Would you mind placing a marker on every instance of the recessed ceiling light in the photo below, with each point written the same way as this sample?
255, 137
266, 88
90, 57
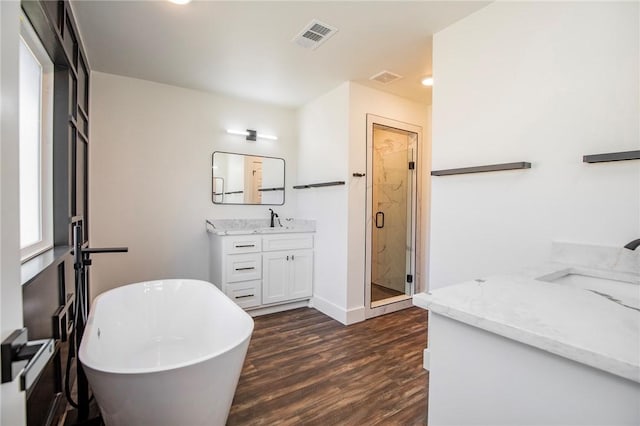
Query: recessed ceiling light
180, 1
427, 81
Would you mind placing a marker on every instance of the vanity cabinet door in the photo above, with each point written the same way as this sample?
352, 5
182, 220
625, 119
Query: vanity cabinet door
288, 275
301, 274
276, 277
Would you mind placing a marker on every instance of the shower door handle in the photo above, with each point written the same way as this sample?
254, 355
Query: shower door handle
380, 220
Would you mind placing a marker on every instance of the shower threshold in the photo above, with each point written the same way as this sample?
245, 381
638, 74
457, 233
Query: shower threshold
389, 300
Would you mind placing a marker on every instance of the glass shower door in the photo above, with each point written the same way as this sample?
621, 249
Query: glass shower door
392, 236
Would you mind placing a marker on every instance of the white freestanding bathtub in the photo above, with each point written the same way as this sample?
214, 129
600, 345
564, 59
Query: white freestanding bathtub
165, 352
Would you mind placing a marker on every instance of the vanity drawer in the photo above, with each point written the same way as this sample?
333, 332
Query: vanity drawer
287, 242
243, 244
243, 267
246, 294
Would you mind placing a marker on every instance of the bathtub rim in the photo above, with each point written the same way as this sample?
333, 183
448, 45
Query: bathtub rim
82, 355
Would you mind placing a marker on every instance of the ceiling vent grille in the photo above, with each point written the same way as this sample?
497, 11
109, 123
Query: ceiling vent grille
314, 34
385, 77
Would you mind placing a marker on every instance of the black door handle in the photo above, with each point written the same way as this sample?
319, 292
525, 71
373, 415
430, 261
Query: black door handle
379, 220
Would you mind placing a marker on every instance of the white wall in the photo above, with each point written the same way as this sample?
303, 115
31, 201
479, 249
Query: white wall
150, 174
323, 157
545, 83
12, 400
332, 147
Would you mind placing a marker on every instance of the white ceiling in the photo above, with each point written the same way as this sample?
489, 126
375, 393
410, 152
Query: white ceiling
244, 49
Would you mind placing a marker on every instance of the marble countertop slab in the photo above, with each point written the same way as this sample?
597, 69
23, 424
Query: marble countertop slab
575, 323
258, 226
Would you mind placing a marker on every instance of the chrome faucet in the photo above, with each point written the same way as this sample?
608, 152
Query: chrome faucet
274, 215
633, 244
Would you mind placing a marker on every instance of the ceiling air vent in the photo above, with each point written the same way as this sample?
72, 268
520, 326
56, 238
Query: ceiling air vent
385, 77
314, 34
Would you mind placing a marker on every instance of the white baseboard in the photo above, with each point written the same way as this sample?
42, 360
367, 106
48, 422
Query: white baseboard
329, 309
355, 315
278, 308
346, 317
426, 359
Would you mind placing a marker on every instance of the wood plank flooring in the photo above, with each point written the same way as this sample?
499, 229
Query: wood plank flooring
304, 368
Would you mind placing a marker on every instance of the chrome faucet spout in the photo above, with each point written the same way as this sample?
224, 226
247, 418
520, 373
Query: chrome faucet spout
633, 244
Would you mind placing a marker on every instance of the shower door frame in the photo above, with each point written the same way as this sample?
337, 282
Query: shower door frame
404, 301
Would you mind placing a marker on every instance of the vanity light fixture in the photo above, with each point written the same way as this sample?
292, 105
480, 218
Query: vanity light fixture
251, 135
427, 81
180, 2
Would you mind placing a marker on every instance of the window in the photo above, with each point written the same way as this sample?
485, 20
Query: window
36, 142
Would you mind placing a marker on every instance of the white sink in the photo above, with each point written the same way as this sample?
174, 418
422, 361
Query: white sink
624, 289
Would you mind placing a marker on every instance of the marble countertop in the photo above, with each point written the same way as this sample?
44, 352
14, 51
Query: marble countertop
596, 327
258, 226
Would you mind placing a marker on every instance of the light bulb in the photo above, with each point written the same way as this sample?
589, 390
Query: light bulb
238, 132
427, 81
270, 137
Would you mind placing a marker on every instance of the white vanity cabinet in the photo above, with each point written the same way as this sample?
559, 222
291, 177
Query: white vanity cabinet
259, 271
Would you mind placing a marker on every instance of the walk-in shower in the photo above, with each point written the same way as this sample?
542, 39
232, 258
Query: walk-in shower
392, 170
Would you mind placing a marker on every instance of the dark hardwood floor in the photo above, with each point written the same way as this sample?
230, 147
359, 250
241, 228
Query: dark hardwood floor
304, 368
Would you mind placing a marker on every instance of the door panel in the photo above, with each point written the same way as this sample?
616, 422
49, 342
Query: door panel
275, 277
301, 274
12, 400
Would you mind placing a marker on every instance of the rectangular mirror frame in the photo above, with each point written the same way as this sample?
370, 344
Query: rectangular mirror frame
221, 179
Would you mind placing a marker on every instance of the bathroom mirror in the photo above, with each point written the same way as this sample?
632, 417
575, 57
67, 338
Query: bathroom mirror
247, 179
